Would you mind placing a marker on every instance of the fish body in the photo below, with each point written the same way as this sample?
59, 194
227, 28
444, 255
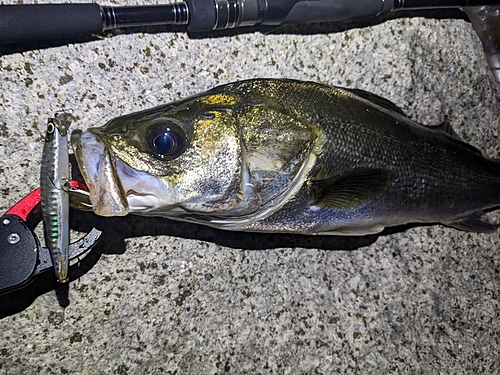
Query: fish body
286, 156
54, 183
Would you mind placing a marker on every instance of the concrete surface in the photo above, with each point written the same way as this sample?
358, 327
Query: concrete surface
159, 297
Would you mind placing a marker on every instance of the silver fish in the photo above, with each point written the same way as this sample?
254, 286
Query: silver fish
286, 156
54, 187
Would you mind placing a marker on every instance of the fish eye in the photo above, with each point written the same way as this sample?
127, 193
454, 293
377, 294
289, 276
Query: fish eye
167, 142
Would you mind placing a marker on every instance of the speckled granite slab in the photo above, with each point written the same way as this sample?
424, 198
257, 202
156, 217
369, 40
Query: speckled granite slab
164, 298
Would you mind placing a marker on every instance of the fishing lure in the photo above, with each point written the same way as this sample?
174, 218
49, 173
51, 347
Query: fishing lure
54, 188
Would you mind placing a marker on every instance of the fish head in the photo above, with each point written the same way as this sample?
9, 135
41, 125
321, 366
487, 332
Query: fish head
209, 155
159, 159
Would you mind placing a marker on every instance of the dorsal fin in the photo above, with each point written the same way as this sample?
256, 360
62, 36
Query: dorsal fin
378, 100
445, 127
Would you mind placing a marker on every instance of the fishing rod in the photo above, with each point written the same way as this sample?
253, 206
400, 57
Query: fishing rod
21, 23
32, 22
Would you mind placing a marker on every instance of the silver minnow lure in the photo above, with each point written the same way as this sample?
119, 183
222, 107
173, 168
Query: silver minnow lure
54, 186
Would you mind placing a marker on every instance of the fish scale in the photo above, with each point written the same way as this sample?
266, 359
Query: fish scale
417, 153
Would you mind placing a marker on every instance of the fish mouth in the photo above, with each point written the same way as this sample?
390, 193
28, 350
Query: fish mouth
98, 169
115, 188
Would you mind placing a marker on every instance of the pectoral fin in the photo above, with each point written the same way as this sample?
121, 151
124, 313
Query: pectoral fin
351, 189
474, 223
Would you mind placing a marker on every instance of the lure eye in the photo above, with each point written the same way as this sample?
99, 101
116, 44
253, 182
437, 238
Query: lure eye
166, 142
51, 131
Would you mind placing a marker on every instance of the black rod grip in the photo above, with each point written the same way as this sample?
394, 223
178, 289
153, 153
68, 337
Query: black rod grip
334, 11
29, 22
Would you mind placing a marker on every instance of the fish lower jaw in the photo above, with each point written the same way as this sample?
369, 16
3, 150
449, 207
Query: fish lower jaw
143, 203
143, 192
109, 208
